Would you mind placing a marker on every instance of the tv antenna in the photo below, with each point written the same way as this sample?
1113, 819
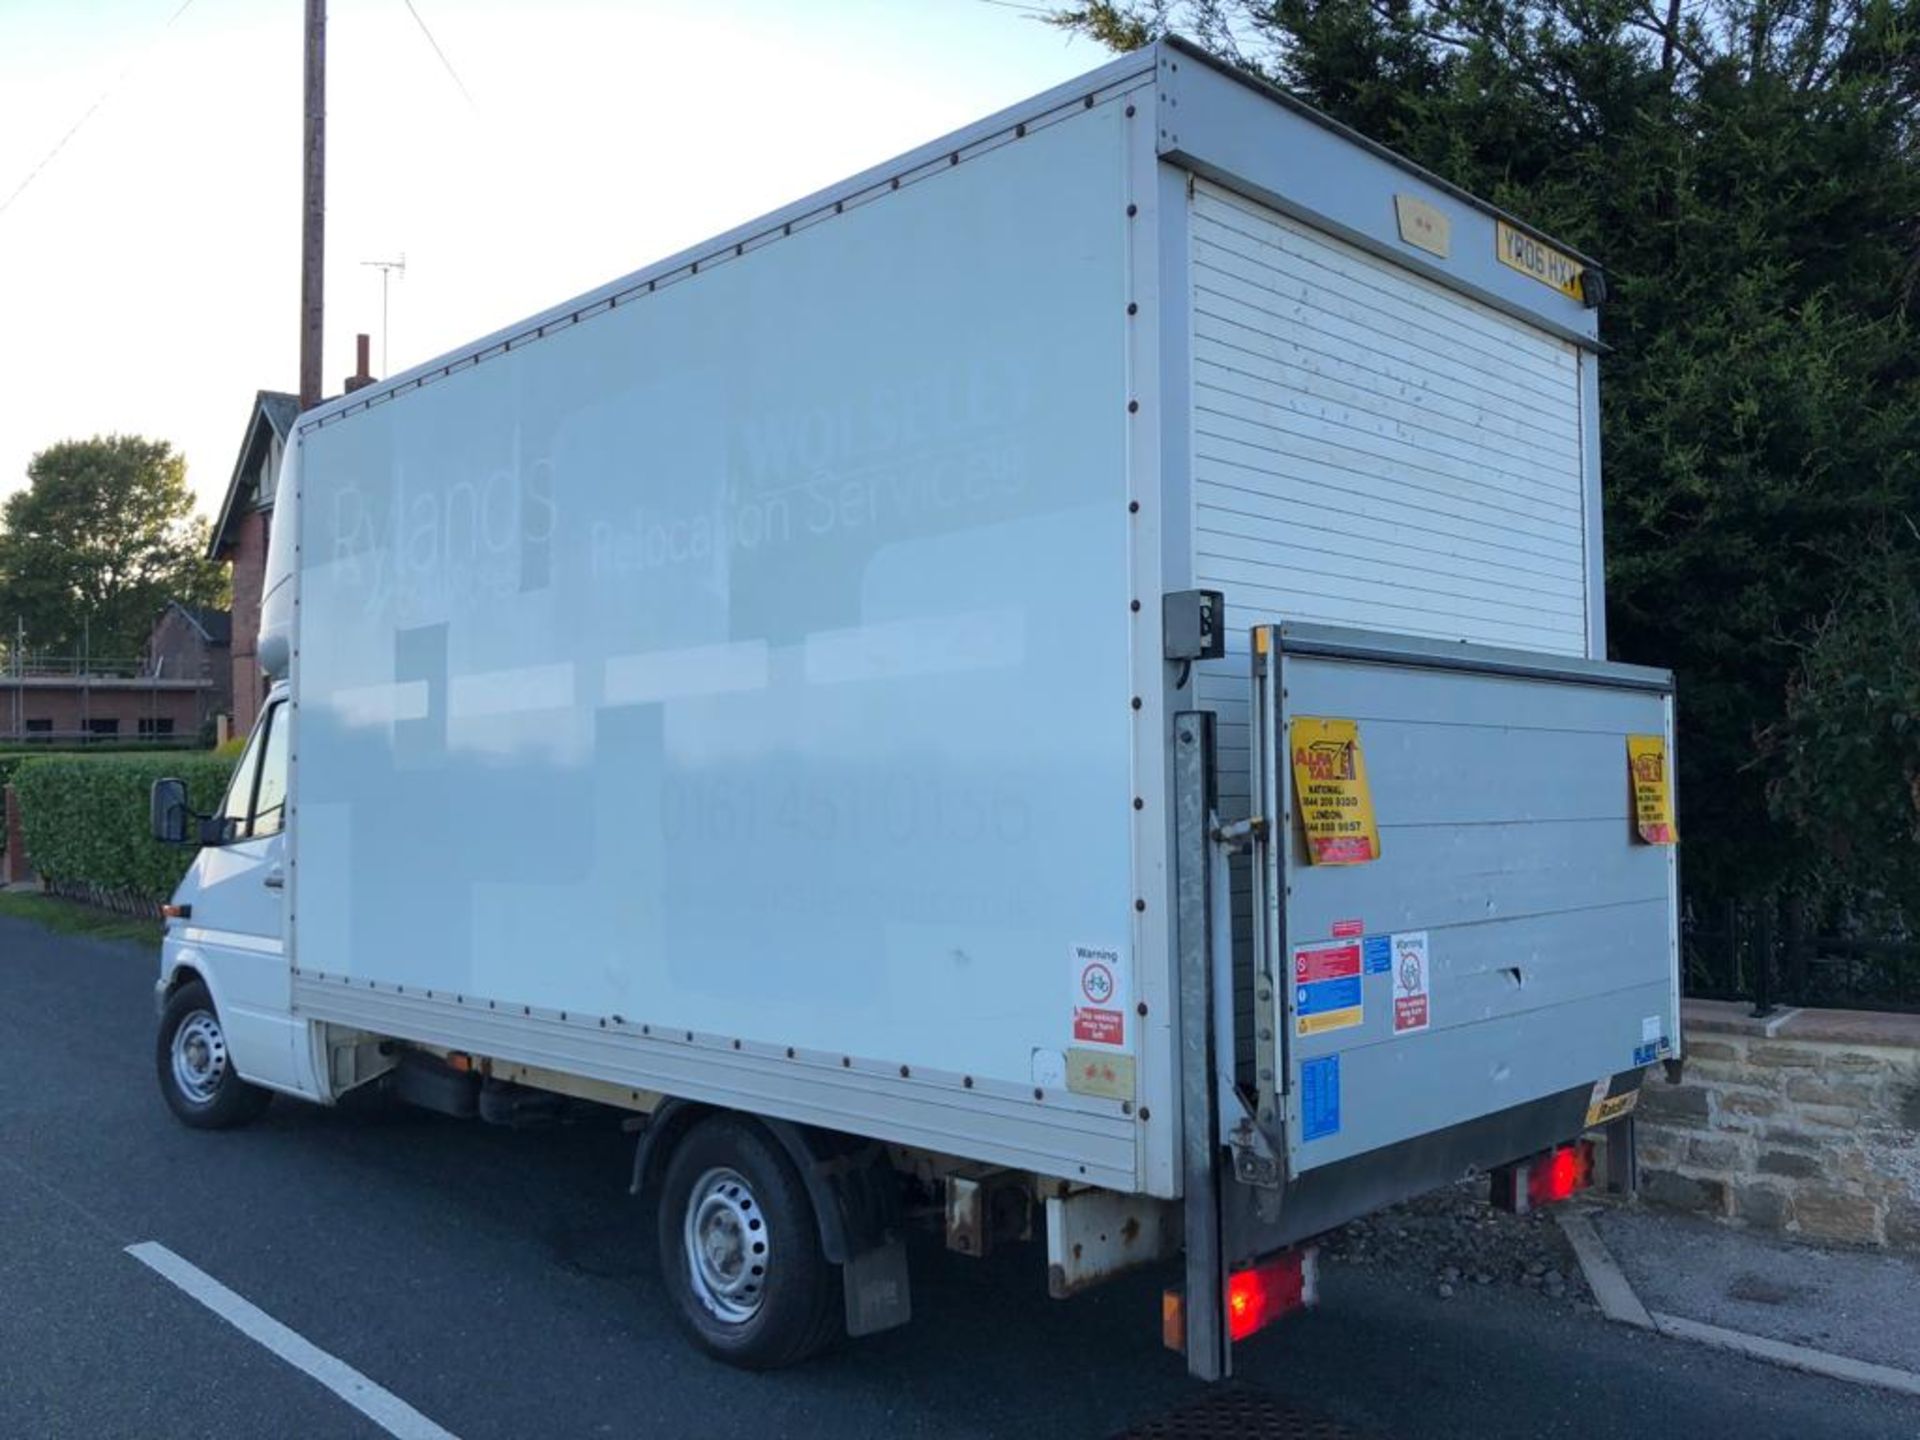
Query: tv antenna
388, 269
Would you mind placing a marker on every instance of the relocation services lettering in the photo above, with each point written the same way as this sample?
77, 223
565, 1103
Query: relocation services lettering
1330, 790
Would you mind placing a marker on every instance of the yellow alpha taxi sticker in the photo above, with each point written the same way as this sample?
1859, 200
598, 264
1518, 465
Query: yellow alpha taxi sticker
1652, 789
1330, 789
1537, 259
1602, 1108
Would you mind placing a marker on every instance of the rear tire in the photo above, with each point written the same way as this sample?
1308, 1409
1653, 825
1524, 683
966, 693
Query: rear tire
740, 1249
196, 1074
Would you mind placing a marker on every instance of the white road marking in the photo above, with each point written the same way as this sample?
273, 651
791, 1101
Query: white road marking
383, 1407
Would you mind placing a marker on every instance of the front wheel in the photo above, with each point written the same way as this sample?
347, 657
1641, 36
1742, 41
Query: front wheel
196, 1073
740, 1248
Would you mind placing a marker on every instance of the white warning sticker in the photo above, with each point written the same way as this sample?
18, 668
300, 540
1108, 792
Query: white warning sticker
1412, 979
1099, 995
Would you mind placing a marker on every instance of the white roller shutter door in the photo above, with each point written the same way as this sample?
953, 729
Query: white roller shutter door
1374, 450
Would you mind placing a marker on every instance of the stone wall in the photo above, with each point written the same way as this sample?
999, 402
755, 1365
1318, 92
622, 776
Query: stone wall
1806, 1122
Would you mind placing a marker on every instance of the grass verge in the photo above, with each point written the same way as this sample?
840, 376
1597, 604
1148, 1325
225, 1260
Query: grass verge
70, 917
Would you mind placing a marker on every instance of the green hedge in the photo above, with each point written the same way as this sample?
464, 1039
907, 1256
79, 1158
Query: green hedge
13, 756
86, 818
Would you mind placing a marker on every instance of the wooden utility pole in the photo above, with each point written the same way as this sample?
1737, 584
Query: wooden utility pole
313, 226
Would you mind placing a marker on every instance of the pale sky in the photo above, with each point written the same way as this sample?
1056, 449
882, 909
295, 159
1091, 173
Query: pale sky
149, 274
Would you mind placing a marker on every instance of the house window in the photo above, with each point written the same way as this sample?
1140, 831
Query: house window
40, 730
103, 726
154, 727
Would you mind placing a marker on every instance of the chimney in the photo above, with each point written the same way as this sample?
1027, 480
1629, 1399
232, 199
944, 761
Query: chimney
362, 350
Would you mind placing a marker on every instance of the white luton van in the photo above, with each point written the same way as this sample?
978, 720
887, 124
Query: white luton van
1061, 679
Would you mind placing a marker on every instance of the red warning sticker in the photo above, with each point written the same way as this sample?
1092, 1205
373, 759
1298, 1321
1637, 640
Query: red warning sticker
1325, 962
1099, 995
1348, 929
1412, 983
1099, 1027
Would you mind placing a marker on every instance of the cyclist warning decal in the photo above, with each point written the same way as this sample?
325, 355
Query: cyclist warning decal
1412, 979
1099, 995
1326, 987
1330, 789
1652, 789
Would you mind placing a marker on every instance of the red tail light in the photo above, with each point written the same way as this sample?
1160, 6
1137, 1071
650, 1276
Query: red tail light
1256, 1297
1558, 1178
1545, 1179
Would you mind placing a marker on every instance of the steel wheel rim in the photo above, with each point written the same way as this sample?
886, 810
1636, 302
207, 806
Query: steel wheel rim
199, 1057
727, 1246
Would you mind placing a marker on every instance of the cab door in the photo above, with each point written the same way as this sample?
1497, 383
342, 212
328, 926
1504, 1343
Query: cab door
239, 911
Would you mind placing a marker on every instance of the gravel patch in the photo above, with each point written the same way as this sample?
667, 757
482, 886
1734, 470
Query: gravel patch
1453, 1242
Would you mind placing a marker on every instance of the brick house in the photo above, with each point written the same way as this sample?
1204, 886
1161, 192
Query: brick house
172, 692
64, 708
190, 641
240, 538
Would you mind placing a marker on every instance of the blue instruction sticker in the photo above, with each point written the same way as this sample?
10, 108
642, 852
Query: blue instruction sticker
1320, 1097
1324, 995
1378, 953
1644, 1054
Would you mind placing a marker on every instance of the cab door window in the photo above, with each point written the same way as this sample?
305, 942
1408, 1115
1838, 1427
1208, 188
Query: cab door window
257, 796
270, 795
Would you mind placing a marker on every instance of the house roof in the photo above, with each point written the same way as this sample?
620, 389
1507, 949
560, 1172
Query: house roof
274, 412
215, 626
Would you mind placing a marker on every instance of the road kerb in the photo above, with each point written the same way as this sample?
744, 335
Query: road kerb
1614, 1295
1793, 1357
1605, 1278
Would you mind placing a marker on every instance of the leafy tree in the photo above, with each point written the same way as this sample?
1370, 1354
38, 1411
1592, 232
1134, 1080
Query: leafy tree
1748, 173
101, 539
1847, 750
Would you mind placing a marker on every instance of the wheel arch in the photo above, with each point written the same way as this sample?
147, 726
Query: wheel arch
181, 976
181, 966
853, 1189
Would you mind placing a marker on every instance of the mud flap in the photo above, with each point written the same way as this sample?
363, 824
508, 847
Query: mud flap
878, 1295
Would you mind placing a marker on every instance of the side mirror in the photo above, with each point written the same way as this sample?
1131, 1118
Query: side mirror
168, 813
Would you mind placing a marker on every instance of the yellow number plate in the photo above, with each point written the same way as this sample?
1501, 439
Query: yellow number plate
1538, 260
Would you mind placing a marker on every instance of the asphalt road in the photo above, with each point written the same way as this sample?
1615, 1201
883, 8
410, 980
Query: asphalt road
501, 1283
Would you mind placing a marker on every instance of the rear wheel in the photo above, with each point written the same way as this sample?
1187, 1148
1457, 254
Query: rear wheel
740, 1248
196, 1073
